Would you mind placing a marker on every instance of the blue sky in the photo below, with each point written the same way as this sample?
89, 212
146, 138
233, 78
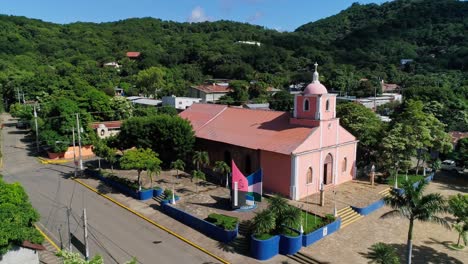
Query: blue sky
275, 14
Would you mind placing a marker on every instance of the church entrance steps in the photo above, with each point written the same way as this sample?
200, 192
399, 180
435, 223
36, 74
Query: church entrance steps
242, 242
348, 216
385, 192
303, 258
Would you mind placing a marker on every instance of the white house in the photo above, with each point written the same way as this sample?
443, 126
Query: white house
180, 103
107, 128
210, 93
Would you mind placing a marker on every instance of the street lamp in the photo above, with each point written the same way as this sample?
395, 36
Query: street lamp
335, 212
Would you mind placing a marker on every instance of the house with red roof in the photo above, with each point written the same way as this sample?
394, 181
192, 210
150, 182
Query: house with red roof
299, 153
133, 54
210, 92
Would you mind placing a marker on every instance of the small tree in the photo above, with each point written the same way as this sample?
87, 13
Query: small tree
413, 205
75, 258
153, 169
140, 160
178, 165
458, 207
223, 168
382, 253
198, 175
264, 222
200, 158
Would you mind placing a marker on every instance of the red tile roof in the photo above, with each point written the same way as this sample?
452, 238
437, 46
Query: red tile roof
456, 136
386, 87
254, 129
108, 124
27, 244
133, 54
213, 88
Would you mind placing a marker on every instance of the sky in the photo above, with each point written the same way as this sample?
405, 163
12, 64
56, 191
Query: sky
282, 15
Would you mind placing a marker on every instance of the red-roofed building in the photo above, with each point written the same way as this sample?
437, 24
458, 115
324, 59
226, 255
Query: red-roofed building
298, 153
133, 54
106, 128
210, 93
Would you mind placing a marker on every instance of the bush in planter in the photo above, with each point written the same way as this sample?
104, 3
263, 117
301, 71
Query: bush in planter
330, 218
224, 221
168, 193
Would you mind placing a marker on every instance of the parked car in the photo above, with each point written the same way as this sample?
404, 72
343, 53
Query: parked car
450, 165
22, 124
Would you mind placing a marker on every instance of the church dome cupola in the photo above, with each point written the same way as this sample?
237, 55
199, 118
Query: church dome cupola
315, 87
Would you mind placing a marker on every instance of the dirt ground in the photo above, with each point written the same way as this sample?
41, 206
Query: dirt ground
350, 244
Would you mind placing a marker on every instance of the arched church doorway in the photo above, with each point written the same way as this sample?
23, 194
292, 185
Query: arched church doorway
328, 170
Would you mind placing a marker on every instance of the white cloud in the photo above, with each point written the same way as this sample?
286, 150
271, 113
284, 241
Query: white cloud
255, 17
198, 15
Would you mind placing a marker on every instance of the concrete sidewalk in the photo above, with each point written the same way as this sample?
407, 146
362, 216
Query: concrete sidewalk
150, 209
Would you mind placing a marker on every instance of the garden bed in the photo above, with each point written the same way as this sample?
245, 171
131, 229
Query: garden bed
402, 177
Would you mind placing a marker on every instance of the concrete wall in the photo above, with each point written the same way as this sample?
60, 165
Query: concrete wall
86, 151
20, 255
276, 172
180, 103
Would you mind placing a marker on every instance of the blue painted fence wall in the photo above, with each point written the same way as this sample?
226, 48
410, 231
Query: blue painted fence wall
290, 245
264, 249
140, 195
370, 208
318, 234
201, 225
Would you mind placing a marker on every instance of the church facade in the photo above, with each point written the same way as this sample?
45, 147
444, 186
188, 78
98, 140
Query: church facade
299, 153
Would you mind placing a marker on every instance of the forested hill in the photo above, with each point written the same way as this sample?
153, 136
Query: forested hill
364, 41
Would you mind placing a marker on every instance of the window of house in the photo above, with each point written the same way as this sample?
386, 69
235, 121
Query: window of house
309, 176
306, 105
327, 105
344, 165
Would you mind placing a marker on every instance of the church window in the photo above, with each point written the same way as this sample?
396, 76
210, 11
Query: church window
344, 165
309, 175
306, 105
327, 105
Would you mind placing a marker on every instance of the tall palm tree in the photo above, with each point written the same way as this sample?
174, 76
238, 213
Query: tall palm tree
223, 168
278, 205
200, 158
413, 205
198, 175
290, 218
178, 165
153, 169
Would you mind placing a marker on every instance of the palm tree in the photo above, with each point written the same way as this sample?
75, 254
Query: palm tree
264, 222
381, 253
153, 169
200, 158
462, 230
278, 205
178, 165
223, 168
290, 218
198, 175
458, 207
413, 205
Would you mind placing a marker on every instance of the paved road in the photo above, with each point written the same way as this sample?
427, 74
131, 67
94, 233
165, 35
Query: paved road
114, 233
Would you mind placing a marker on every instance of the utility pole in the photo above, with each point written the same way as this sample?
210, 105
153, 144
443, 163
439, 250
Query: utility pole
19, 96
85, 227
69, 231
79, 139
74, 148
37, 131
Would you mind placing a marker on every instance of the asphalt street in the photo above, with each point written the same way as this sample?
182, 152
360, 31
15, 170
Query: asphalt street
114, 233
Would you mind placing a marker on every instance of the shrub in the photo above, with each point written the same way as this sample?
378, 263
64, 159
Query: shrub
168, 193
330, 218
224, 221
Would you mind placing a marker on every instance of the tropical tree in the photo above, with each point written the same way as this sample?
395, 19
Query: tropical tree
264, 222
197, 174
75, 258
200, 158
290, 218
178, 165
223, 168
395, 152
100, 148
278, 205
381, 253
153, 169
140, 160
458, 207
414, 205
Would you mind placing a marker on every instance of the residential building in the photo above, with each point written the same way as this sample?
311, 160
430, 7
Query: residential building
299, 153
106, 129
265, 106
179, 103
133, 54
147, 102
372, 102
210, 92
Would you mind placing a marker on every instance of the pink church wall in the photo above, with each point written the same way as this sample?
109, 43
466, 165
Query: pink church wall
347, 151
276, 172
304, 163
329, 130
330, 113
312, 107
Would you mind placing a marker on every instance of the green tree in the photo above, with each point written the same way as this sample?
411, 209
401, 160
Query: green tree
140, 160
264, 222
199, 175
458, 207
461, 152
413, 205
75, 258
381, 253
153, 169
151, 80
100, 149
395, 150
223, 168
200, 158
17, 217
178, 165
170, 136
365, 125
21, 111
282, 101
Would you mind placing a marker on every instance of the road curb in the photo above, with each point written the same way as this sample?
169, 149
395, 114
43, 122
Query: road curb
47, 238
152, 222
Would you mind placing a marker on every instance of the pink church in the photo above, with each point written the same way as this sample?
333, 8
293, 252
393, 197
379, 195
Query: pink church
297, 153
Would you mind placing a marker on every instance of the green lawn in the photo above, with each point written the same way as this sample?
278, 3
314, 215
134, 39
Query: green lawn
401, 177
313, 222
